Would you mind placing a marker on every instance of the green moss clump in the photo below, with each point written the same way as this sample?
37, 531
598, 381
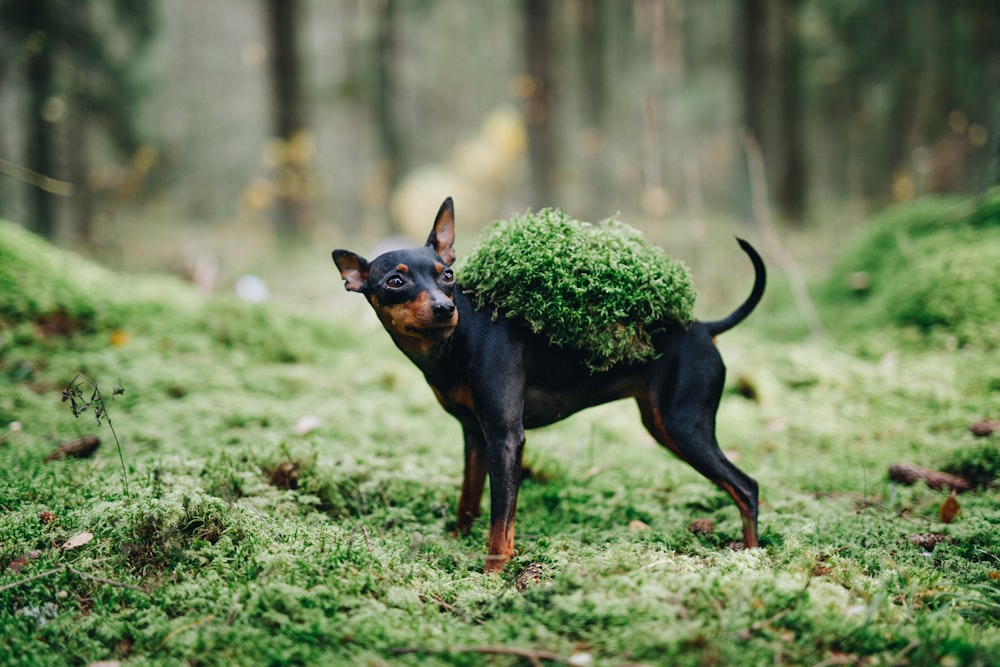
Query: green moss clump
598, 287
37, 282
980, 464
930, 266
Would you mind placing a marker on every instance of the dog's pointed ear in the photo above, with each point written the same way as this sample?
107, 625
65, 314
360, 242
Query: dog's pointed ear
443, 234
353, 269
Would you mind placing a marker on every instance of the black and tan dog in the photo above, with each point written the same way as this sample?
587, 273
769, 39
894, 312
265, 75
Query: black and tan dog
497, 378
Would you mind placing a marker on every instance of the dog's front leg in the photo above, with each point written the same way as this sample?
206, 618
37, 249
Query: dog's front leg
505, 446
476, 466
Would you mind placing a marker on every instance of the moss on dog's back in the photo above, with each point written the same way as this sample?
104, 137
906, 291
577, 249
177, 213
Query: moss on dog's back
598, 287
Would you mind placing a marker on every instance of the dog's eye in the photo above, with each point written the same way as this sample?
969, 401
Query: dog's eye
394, 281
447, 276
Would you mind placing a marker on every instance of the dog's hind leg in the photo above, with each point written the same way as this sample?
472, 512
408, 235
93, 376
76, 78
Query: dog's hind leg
680, 414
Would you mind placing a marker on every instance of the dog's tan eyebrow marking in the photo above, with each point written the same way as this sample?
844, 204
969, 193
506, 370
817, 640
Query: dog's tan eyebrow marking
439, 267
403, 268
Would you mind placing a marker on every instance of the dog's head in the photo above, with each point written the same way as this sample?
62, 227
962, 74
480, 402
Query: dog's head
412, 290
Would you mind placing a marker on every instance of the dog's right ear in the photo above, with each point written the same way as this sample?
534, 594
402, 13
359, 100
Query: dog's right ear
443, 234
353, 269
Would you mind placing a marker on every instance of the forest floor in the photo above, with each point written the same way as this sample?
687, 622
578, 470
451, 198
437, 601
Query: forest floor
275, 484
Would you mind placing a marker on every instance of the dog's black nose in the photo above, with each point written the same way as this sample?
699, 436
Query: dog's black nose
443, 310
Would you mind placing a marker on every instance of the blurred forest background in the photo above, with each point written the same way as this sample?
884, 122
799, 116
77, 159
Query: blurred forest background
299, 118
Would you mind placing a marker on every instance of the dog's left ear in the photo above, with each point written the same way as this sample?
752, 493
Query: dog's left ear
353, 269
443, 234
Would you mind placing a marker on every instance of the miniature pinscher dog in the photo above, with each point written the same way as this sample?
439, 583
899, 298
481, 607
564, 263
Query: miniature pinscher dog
498, 378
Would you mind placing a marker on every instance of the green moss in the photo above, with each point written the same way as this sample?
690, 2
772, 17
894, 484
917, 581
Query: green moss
600, 287
930, 266
64, 293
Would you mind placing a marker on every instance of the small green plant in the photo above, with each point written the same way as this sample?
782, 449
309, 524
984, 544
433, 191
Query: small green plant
79, 404
600, 287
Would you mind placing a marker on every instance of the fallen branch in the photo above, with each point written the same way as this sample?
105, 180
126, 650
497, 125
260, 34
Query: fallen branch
78, 448
907, 473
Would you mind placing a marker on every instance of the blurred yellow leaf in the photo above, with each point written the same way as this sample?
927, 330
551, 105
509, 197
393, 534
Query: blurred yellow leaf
118, 337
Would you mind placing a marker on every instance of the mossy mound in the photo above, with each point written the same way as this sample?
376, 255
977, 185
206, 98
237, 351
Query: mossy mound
63, 293
929, 266
47, 291
599, 287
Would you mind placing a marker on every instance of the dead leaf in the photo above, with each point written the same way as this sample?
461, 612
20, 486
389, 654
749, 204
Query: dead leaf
637, 526
25, 560
77, 541
950, 508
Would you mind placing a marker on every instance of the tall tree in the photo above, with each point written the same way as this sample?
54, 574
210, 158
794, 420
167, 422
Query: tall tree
386, 94
592, 16
790, 177
283, 22
80, 73
36, 23
771, 86
539, 55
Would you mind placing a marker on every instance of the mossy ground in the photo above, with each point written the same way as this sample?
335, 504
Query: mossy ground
249, 539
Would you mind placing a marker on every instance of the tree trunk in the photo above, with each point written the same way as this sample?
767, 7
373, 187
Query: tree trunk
593, 21
40, 135
790, 186
288, 116
386, 96
539, 53
754, 67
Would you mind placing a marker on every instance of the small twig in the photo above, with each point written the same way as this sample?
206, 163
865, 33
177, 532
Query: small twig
531, 655
109, 582
176, 631
72, 570
40, 575
452, 609
41, 181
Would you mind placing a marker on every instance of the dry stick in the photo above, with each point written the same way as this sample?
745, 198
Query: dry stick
46, 183
109, 582
78, 573
7, 587
762, 212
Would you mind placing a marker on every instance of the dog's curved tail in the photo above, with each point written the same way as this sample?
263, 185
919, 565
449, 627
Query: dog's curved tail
740, 314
